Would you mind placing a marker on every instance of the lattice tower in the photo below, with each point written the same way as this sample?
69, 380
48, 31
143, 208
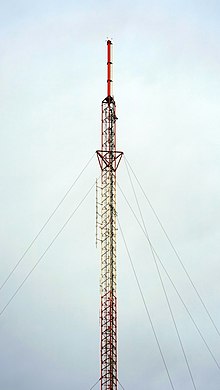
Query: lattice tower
109, 160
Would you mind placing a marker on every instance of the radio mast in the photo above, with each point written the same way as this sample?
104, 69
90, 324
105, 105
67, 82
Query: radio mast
109, 160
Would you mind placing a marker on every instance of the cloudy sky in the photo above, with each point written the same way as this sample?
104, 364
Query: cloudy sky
167, 90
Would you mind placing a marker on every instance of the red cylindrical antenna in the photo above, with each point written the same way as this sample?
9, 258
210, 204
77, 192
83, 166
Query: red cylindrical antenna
109, 68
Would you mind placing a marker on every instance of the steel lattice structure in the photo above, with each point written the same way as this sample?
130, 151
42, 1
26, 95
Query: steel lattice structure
109, 160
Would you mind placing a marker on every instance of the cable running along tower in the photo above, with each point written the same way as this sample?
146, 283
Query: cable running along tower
109, 160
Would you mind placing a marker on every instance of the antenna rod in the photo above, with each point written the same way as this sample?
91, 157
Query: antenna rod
109, 68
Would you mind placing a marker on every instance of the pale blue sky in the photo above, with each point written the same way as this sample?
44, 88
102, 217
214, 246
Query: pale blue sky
166, 85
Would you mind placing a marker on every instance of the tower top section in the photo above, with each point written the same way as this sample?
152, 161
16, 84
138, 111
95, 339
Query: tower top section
109, 68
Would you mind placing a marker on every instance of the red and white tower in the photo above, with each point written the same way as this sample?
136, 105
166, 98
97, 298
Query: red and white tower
109, 160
